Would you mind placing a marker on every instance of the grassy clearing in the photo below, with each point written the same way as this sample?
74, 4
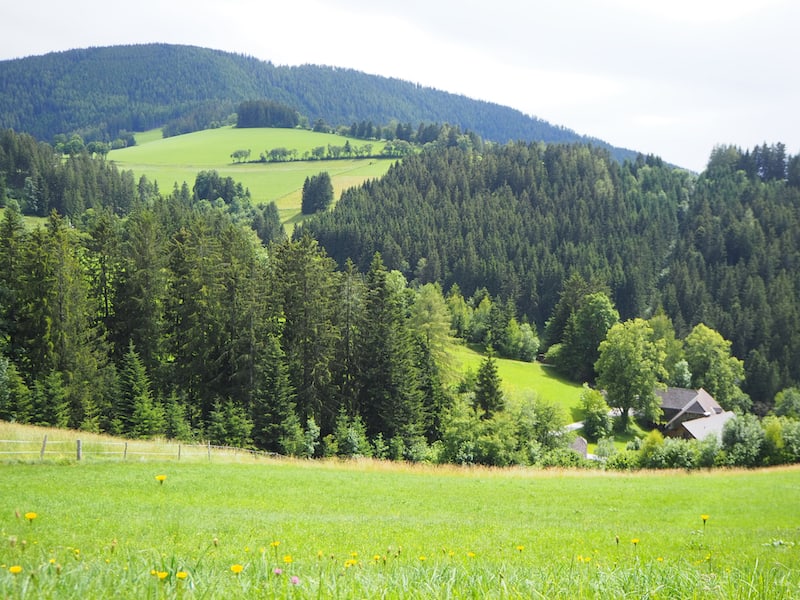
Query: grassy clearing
371, 529
522, 380
178, 159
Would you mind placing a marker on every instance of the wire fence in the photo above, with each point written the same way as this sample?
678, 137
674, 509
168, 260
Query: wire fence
120, 450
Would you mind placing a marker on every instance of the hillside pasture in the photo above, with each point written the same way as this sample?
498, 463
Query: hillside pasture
368, 529
178, 159
525, 380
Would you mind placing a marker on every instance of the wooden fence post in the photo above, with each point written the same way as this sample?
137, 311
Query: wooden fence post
80, 449
125, 452
179, 451
44, 444
209, 450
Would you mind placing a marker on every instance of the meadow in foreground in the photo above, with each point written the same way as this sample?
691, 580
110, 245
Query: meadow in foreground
375, 530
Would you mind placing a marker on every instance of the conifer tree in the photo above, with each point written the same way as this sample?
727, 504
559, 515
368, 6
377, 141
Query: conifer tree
488, 392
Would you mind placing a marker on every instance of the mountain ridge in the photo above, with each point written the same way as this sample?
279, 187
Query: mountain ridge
100, 91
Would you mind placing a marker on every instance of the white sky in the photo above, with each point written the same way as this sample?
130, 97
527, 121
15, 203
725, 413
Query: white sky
672, 78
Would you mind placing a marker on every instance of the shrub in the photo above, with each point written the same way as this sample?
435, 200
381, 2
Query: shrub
596, 420
627, 460
743, 441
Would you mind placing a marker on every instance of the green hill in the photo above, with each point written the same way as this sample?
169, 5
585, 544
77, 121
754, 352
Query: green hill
99, 92
178, 159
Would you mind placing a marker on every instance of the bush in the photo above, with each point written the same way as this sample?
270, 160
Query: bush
627, 460
596, 420
743, 441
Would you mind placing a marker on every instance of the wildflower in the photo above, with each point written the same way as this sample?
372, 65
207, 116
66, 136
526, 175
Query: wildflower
660, 559
377, 558
161, 478
423, 558
635, 541
30, 516
470, 555
237, 568
295, 580
153, 572
277, 570
275, 544
15, 569
520, 548
704, 517
350, 562
162, 575
181, 575
287, 559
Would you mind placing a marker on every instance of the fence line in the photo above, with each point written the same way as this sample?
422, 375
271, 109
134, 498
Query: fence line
125, 450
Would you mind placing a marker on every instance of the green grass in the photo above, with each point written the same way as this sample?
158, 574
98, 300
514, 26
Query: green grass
521, 380
178, 159
405, 532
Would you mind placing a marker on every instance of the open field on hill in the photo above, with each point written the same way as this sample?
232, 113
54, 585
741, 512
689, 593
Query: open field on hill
522, 380
180, 158
305, 529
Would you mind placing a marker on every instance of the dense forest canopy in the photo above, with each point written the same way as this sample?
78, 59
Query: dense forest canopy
519, 220
101, 93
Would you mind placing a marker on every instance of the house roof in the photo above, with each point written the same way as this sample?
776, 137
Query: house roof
705, 426
686, 402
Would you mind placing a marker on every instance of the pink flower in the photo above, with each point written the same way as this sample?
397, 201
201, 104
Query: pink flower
295, 580
277, 570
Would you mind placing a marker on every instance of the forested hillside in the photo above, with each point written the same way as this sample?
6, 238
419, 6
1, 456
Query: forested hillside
101, 93
189, 313
721, 249
517, 220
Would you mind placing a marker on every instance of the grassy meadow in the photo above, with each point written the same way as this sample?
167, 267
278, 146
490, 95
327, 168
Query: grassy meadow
178, 159
305, 529
523, 380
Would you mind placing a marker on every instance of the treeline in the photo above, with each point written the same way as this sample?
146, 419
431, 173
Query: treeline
266, 113
101, 92
177, 321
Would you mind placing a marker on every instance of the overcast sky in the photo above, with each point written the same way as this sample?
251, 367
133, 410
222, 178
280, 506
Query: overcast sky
670, 77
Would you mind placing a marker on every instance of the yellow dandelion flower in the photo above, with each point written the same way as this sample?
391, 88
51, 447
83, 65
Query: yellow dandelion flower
153, 572
660, 559
350, 562
30, 516
275, 544
704, 517
377, 558
287, 559
635, 541
520, 548
162, 575
161, 478
181, 575
354, 554
237, 568
423, 558
470, 555
15, 569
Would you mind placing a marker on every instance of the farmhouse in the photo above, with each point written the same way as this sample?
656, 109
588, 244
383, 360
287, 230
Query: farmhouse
704, 427
691, 413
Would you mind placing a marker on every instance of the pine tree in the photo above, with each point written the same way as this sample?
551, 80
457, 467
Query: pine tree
488, 388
